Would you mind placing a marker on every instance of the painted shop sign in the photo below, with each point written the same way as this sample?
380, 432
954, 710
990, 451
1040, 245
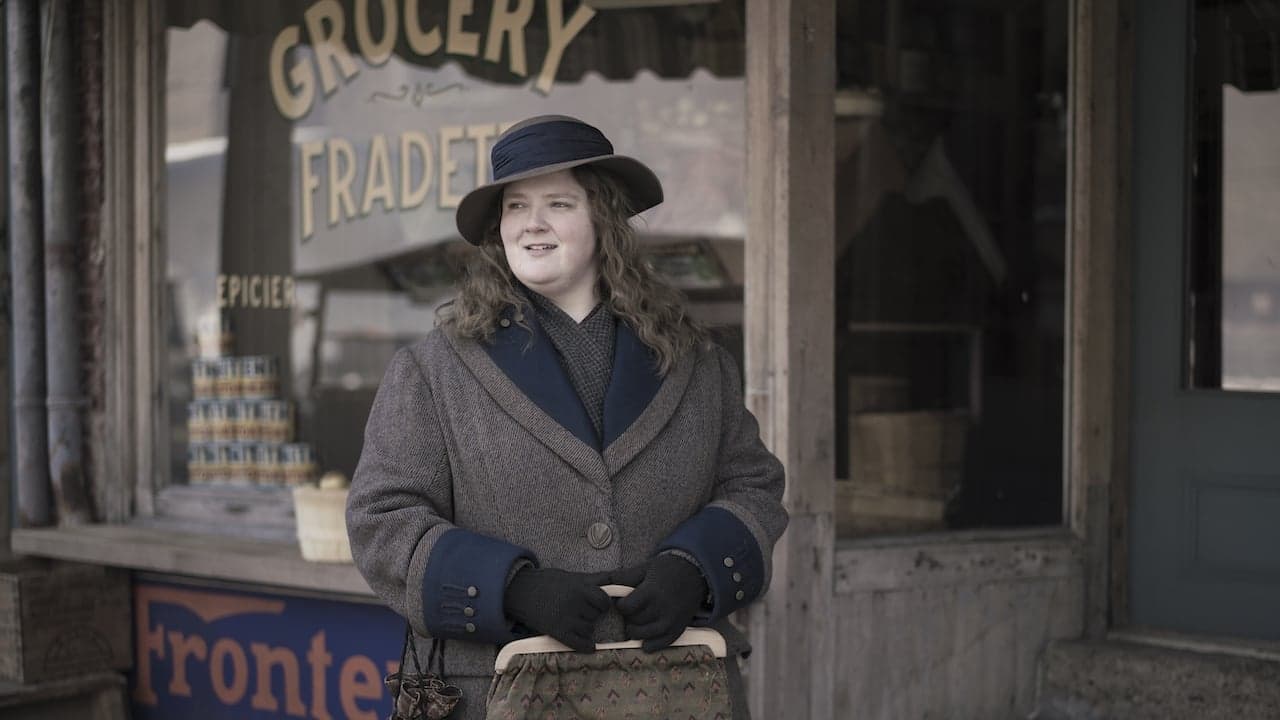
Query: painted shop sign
377, 173
217, 653
397, 171
330, 64
382, 148
294, 85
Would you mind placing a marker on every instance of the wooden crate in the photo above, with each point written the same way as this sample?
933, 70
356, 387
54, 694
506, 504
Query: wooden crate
878, 393
919, 454
59, 619
869, 509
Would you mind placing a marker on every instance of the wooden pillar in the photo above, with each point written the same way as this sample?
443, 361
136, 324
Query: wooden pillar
132, 441
1100, 246
790, 357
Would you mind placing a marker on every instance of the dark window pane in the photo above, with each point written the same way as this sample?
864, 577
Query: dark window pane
950, 279
1233, 263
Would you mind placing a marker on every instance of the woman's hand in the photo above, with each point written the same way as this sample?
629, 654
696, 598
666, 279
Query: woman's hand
669, 591
559, 603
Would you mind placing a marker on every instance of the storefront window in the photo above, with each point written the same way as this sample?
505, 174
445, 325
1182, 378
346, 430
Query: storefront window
951, 127
315, 153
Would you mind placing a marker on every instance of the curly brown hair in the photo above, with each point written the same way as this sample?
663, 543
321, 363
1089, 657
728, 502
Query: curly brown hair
628, 285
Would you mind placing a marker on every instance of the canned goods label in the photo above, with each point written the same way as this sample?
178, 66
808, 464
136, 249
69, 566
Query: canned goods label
276, 420
259, 375
229, 377
266, 454
223, 420
266, 463
240, 468
222, 451
204, 377
238, 454
248, 426
297, 454
199, 427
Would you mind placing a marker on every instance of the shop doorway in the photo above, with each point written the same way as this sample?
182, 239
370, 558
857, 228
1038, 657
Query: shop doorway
1204, 513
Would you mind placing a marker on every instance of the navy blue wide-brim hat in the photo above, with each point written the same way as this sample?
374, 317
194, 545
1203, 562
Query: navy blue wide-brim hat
543, 145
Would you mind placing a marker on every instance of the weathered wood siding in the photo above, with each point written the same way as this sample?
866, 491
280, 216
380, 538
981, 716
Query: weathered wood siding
952, 630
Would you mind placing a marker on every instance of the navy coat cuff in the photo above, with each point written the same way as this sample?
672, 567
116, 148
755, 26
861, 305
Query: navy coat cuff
728, 555
462, 588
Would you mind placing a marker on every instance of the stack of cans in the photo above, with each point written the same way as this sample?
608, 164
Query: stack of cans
239, 431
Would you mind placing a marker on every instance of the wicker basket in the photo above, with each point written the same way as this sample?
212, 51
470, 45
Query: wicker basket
322, 525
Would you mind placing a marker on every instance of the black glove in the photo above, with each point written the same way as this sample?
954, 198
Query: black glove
669, 591
559, 603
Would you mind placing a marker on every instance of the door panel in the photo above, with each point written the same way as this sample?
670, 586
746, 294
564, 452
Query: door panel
1205, 506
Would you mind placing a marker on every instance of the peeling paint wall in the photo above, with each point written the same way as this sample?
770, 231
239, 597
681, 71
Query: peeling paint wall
953, 630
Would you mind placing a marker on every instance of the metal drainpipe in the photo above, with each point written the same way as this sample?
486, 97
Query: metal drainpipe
26, 263
60, 133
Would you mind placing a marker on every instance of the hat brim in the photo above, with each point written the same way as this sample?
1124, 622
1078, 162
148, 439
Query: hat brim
642, 187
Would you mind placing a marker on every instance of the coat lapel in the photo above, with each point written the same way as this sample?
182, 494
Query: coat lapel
639, 402
536, 370
528, 382
632, 383
516, 399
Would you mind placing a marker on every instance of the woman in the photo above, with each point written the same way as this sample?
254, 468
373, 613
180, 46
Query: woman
567, 426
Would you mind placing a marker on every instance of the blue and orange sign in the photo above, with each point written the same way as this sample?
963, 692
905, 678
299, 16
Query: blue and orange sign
215, 653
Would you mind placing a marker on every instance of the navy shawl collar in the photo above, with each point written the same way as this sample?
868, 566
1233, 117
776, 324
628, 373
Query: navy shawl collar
531, 363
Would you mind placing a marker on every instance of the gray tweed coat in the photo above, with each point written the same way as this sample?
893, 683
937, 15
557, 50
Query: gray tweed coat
475, 459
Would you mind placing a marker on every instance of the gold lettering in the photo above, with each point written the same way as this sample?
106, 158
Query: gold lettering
275, 291
340, 180
289, 299
358, 679
448, 166
376, 53
319, 659
255, 291
233, 290
310, 183
423, 43
328, 45
263, 699
560, 35
509, 23
411, 197
461, 42
222, 291
229, 693
182, 647
292, 105
481, 135
377, 181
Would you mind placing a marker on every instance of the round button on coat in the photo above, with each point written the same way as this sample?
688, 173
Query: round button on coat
728, 562
472, 591
471, 627
739, 594
599, 535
